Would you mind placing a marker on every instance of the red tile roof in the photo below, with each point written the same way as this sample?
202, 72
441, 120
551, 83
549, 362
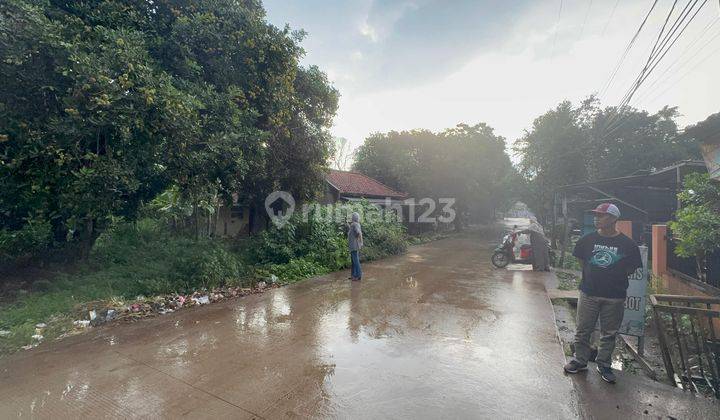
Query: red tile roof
357, 184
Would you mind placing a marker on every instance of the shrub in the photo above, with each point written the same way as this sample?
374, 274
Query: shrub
34, 237
698, 221
210, 268
297, 269
320, 236
146, 258
274, 245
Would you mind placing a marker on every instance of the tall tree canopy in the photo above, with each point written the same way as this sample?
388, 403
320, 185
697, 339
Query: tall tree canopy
551, 155
467, 163
106, 103
571, 144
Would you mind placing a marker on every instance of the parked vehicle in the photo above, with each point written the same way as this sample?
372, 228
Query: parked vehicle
504, 253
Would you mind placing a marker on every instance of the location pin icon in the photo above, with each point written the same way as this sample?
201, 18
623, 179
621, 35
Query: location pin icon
281, 217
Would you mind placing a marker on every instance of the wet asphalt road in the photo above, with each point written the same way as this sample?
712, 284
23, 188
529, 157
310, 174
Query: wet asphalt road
434, 333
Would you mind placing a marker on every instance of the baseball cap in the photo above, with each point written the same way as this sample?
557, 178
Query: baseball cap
607, 208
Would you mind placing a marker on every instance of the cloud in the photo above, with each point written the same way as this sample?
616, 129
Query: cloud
402, 42
403, 64
369, 32
425, 40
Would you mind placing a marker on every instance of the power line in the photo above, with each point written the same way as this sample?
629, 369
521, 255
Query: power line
664, 48
675, 40
686, 51
627, 49
688, 48
612, 13
659, 52
635, 85
691, 69
557, 25
587, 13
672, 31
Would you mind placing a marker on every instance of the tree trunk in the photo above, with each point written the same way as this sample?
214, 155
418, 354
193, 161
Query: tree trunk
197, 221
87, 238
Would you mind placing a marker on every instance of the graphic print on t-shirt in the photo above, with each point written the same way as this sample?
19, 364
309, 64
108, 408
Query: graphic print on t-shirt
604, 256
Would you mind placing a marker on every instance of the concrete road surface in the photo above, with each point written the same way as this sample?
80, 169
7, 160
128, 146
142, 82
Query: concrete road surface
434, 333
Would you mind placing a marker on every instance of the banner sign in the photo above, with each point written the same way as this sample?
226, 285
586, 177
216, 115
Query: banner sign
634, 320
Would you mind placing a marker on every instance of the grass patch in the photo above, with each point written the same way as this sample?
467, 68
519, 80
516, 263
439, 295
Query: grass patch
127, 261
147, 259
567, 281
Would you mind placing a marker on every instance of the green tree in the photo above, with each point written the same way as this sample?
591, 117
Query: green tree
635, 140
697, 224
569, 145
467, 163
105, 104
553, 153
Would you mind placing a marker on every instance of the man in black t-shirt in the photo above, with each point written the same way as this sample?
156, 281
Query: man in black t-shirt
608, 258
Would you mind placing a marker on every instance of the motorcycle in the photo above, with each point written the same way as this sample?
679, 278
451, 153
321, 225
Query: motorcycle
504, 253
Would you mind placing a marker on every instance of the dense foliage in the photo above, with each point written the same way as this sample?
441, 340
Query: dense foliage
105, 104
697, 225
706, 131
467, 163
569, 144
317, 240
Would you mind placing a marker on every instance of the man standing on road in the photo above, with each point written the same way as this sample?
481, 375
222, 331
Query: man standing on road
539, 243
355, 242
608, 258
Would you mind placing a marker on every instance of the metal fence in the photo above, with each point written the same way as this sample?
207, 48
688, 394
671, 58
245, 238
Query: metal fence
690, 341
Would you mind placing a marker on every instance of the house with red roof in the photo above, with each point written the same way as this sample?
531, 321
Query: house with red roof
347, 186
340, 186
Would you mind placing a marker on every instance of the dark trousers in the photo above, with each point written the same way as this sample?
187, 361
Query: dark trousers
355, 271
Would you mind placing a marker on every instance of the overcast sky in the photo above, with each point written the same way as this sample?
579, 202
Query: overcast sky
404, 64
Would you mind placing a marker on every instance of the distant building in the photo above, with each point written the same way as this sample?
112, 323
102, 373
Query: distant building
340, 187
645, 197
347, 186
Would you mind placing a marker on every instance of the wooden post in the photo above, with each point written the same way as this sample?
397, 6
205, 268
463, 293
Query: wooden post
678, 187
625, 227
566, 233
554, 221
667, 360
659, 250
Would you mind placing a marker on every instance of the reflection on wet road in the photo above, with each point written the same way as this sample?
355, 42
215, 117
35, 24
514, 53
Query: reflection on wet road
433, 333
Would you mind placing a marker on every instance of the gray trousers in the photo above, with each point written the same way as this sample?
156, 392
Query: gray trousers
610, 313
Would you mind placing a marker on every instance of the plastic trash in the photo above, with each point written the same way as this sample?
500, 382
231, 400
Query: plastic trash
261, 285
202, 300
93, 315
83, 323
111, 314
37, 337
41, 325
